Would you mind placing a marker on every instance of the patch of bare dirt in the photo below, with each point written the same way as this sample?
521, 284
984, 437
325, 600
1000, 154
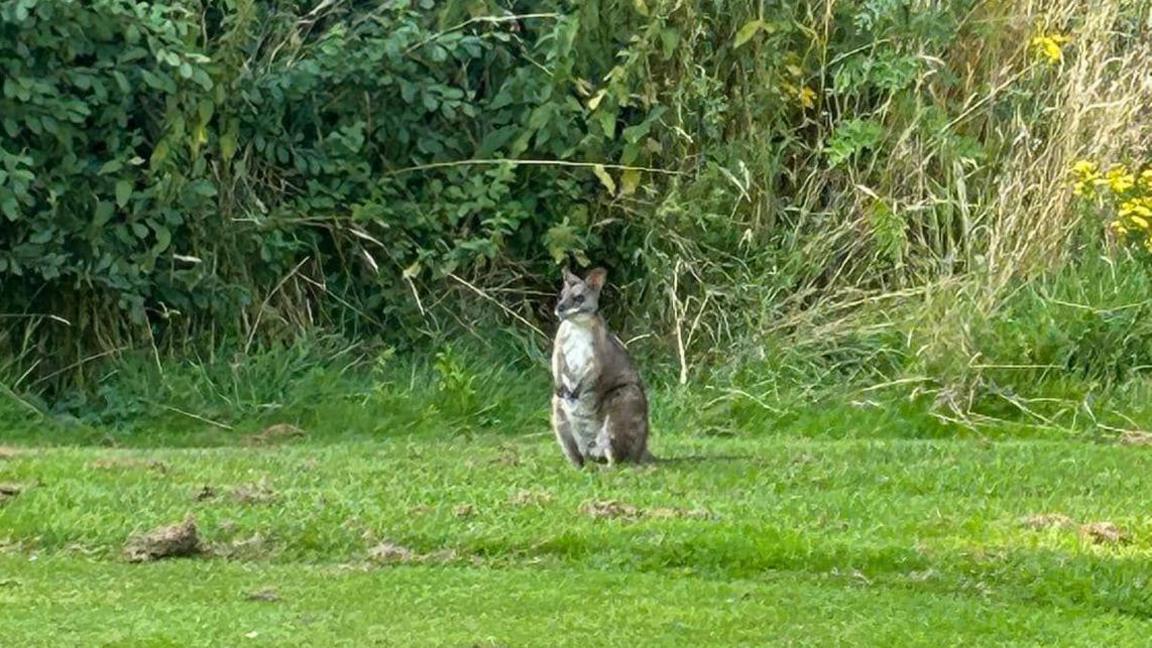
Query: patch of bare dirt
1136, 438
441, 556
256, 493
253, 547
7, 452
278, 433
9, 491
259, 493
1104, 533
266, 595
922, 576
1042, 521
610, 509
530, 498
666, 512
464, 510
129, 463
613, 510
509, 456
172, 541
390, 553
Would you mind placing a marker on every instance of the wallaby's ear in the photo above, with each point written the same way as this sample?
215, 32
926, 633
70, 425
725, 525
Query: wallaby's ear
569, 278
595, 279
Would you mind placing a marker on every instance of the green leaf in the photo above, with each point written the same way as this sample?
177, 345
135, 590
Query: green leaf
10, 207
607, 120
850, 138
121, 81
201, 78
629, 180
103, 214
123, 192
595, 100
605, 178
228, 145
111, 166
669, 39
205, 109
497, 139
560, 240
41, 236
750, 29
163, 239
159, 154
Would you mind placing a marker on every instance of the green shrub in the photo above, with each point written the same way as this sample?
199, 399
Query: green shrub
174, 174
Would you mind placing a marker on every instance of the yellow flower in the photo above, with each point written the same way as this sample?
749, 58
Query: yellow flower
1085, 168
1083, 189
1118, 227
1089, 175
804, 95
1146, 178
1049, 47
807, 97
1137, 207
1140, 222
1119, 180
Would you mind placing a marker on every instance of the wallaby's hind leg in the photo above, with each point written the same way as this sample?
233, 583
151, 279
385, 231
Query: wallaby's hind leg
563, 429
626, 425
601, 452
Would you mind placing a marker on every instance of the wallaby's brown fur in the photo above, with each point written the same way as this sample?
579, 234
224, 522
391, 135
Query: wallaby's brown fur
599, 406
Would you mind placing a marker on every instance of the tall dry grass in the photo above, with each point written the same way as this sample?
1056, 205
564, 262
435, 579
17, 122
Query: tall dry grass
969, 230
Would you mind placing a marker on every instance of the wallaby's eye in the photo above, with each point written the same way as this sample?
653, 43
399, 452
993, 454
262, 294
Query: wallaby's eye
579, 299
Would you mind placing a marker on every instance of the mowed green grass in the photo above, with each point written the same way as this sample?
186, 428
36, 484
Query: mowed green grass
743, 541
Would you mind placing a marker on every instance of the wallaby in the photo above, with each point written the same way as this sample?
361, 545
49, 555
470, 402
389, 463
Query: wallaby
599, 408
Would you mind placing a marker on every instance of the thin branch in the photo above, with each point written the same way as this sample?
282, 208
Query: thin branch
16, 397
511, 312
494, 162
268, 298
54, 318
478, 19
222, 426
79, 363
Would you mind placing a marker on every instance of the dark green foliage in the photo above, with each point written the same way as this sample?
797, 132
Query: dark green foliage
170, 163
177, 174
167, 166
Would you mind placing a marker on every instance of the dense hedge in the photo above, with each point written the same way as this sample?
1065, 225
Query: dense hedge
241, 165
182, 157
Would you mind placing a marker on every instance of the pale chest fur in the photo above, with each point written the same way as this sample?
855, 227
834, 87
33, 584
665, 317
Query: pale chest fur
575, 355
575, 367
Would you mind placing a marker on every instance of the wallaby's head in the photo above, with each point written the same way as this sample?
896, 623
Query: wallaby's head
580, 296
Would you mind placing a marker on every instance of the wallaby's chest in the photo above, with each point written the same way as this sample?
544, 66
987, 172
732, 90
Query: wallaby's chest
576, 355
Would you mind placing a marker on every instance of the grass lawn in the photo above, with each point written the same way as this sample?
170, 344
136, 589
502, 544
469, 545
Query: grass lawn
492, 540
